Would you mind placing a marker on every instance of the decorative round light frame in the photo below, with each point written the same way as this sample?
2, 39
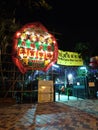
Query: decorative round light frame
34, 48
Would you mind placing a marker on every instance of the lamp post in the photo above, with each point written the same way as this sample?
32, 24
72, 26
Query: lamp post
54, 66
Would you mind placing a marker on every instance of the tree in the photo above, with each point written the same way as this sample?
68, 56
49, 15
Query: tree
85, 50
10, 22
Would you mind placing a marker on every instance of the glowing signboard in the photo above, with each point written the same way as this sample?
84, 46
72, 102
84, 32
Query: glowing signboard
34, 48
69, 58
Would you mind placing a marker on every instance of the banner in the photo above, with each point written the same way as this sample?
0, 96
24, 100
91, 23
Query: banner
69, 58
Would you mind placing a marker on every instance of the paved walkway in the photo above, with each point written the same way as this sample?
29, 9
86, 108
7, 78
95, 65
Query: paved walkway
87, 105
68, 115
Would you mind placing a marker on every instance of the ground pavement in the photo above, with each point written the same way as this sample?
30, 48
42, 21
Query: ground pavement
68, 115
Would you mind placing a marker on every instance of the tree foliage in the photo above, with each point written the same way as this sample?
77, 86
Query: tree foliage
13, 13
85, 50
10, 19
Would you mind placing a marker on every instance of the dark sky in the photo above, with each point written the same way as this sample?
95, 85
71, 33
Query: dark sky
75, 23
70, 24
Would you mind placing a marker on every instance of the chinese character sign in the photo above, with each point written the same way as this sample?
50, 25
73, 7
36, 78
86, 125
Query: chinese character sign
34, 48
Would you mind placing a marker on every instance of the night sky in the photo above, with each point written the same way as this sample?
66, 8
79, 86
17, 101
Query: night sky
75, 24
70, 24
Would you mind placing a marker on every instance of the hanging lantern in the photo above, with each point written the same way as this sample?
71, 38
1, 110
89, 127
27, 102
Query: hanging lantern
34, 48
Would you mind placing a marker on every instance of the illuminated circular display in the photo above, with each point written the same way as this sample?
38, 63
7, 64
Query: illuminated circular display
34, 48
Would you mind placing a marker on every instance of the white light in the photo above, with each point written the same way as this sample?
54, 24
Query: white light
78, 83
69, 76
28, 33
83, 68
54, 65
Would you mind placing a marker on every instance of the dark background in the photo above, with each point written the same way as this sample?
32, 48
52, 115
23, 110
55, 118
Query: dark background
70, 22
